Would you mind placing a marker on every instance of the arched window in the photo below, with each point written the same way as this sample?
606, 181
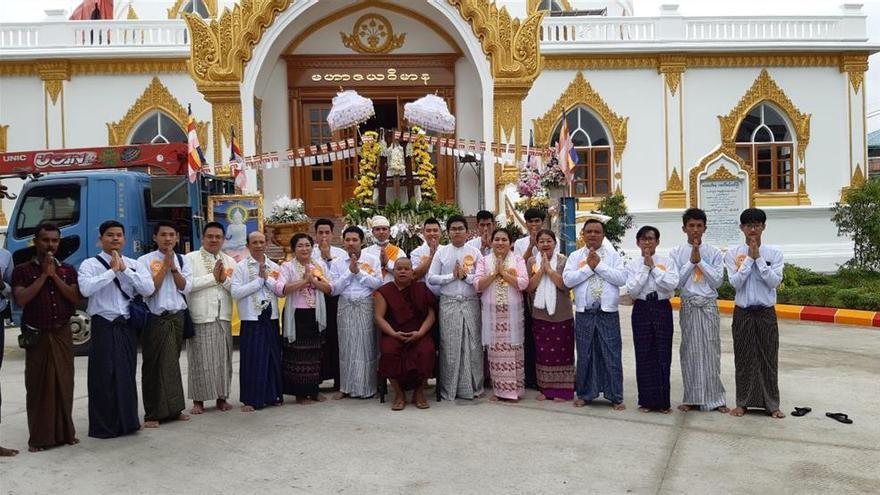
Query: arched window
592, 175
195, 7
551, 6
157, 128
764, 141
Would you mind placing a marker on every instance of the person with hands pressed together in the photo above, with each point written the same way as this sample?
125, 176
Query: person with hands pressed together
423, 255
209, 353
253, 288
354, 278
755, 271
596, 273
500, 278
651, 281
461, 350
700, 273
326, 252
485, 227
552, 320
47, 291
110, 280
383, 249
304, 282
404, 313
161, 382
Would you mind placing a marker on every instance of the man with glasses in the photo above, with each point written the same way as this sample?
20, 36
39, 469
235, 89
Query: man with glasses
461, 345
755, 271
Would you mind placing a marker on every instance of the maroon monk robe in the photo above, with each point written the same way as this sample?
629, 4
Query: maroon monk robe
410, 363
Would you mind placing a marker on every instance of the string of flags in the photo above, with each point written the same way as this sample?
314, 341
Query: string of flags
348, 148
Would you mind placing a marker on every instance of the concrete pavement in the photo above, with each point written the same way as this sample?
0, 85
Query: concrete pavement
360, 446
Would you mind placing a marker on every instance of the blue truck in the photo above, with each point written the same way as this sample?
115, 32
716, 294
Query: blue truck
78, 189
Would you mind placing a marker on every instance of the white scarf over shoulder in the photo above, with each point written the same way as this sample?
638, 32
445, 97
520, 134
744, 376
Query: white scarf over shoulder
545, 294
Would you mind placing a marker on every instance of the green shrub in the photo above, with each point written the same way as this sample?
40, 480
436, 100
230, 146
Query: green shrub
796, 276
615, 207
859, 217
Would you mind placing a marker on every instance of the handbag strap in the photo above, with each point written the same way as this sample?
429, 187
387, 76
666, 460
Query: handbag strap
115, 280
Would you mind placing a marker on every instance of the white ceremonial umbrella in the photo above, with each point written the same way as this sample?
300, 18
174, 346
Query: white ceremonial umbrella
430, 112
349, 109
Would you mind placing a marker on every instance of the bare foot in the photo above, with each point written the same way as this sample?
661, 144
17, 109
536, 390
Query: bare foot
338, 395
278, 404
36, 449
580, 403
183, 417
223, 405
777, 414
320, 398
684, 407
151, 424
304, 401
494, 398
558, 399
4, 452
723, 409
74, 441
399, 403
247, 409
643, 409
666, 411
540, 396
738, 412
198, 407
620, 406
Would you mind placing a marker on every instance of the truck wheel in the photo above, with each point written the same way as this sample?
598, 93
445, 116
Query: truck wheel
81, 328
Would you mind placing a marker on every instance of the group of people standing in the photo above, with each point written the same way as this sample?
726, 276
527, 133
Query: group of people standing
501, 307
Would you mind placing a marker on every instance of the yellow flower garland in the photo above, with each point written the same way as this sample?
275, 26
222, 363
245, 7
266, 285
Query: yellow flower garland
363, 192
423, 166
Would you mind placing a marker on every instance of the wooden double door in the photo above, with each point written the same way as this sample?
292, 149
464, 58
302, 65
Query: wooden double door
326, 186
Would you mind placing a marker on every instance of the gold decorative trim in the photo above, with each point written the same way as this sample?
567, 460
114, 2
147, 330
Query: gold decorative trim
132, 15
504, 175
3, 137
672, 68
601, 61
719, 152
174, 10
777, 199
53, 88
855, 66
532, 6
53, 74
351, 9
722, 174
715, 60
155, 97
579, 92
378, 33
99, 66
765, 89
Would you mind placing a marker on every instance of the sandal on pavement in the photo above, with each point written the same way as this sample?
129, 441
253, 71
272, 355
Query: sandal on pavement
841, 417
801, 411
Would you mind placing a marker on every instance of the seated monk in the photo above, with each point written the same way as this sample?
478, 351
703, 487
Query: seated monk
404, 312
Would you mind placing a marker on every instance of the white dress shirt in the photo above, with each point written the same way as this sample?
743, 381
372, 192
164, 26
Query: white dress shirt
642, 280
477, 242
440, 273
420, 255
521, 244
167, 297
702, 279
209, 300
376, 250
105, 300
248, 289
605, 281
355, 285
755, 280
335, 252
6, 268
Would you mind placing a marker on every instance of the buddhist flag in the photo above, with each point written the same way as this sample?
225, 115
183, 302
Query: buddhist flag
568, 157
236, 162
194, 156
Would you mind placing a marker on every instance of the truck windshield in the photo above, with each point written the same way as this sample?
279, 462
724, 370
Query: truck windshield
56, 204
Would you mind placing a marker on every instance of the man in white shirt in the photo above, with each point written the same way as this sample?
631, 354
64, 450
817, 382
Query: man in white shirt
386, 252
651, 280
485, 227
527, 247
110, 281
354, 277
325, 252
755, 271
253, 288
596, 273
161, 383
209, 353
700, 273
461, 347
423, 255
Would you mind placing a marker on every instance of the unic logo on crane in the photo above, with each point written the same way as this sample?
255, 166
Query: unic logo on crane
64, 159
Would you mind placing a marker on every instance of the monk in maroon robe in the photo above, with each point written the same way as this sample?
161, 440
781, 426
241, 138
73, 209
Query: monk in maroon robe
404, 312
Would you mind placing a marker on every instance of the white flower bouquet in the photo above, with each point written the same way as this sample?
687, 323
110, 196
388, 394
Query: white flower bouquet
287, 210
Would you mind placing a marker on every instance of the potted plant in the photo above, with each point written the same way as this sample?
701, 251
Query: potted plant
288, 217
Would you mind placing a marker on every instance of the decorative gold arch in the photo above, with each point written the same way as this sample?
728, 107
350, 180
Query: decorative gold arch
765, 89
579, 92
721, 173
155, 97
174, 10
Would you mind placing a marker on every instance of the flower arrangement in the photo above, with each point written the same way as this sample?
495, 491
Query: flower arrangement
406, 219
367, 167
539, 201
396, 165
529, 180
553, 177
287, 210
423, 166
